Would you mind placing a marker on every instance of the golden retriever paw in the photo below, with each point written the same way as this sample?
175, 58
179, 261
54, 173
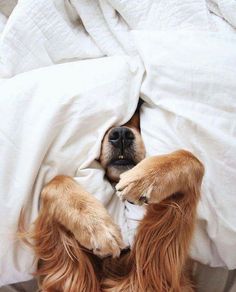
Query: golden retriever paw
158, 177
147, 182
103, 237
134, 190
135, 185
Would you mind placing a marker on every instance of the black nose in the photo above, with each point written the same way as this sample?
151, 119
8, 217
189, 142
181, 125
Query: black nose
121, 137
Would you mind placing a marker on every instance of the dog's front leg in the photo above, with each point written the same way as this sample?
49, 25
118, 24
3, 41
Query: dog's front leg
68, 218
79, 212
170, 184
156, 178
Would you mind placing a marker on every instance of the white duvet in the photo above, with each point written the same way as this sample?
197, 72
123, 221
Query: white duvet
181, 60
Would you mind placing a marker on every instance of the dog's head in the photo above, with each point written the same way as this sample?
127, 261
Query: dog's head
122, 148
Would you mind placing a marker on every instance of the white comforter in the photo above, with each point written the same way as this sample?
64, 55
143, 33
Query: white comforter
53, 116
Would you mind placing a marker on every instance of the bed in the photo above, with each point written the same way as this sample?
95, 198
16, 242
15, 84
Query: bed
69, 70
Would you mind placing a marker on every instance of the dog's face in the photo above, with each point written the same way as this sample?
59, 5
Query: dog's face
122, 148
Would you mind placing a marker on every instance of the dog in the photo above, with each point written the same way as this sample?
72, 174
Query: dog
79, 248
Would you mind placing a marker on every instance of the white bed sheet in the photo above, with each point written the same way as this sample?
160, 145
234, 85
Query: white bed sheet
190, 91
35, 105
52, 122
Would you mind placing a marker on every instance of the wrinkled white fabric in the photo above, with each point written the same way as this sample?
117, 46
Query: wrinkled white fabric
225, 9
41, 33
53, 118
3, 21
192, 91
54, 125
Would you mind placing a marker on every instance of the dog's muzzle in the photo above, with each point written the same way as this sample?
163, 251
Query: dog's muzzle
121, 137
122, 140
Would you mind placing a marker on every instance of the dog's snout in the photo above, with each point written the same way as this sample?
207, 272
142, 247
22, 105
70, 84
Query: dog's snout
121, 136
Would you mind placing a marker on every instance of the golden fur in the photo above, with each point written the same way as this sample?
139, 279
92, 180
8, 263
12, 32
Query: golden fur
74, 232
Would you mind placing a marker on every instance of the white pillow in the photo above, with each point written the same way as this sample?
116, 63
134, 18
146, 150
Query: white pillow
190, 90
52, 122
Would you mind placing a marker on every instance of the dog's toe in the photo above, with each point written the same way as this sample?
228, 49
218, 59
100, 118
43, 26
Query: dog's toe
107, 241
143, 200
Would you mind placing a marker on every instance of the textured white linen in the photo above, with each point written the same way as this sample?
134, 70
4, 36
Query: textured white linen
52, 122
45, 32
225, 9
37, 106
3, 21
190, 91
